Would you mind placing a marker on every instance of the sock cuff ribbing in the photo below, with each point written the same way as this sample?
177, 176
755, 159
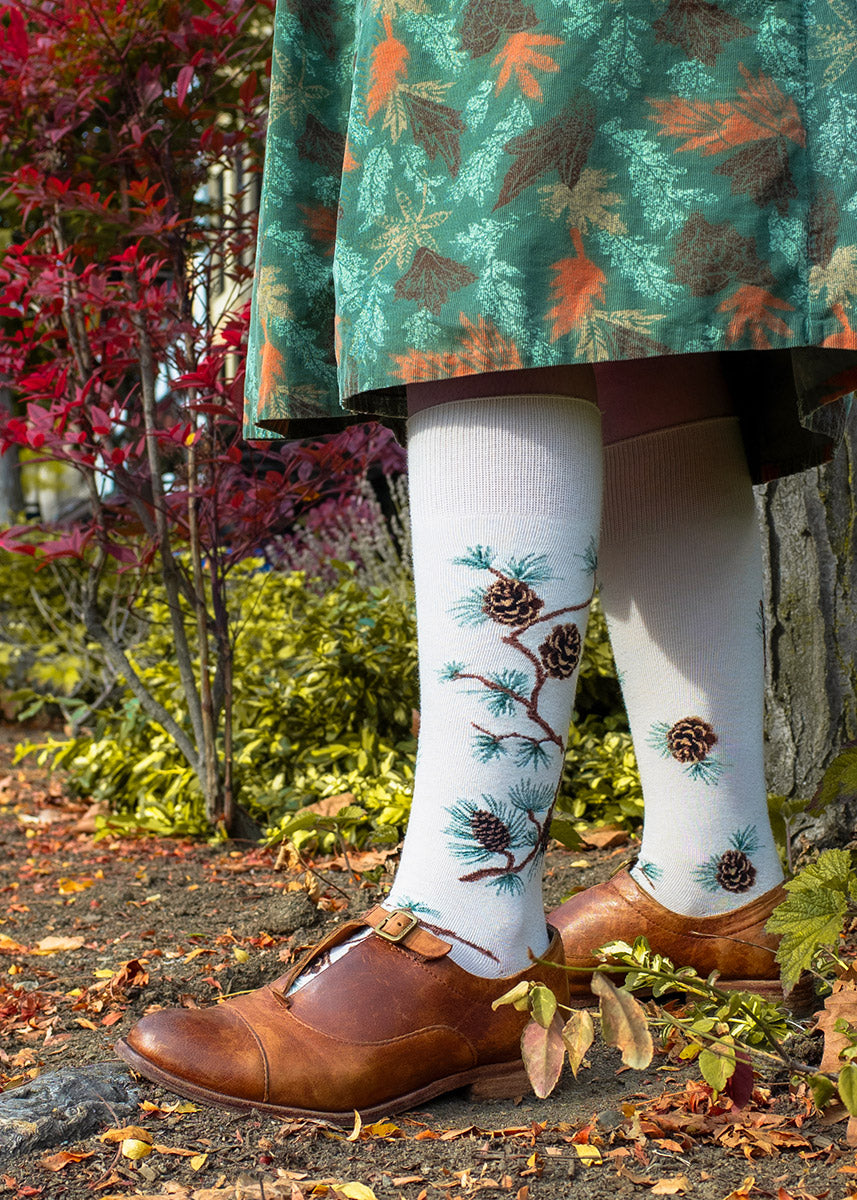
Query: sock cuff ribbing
527, 454
693, 468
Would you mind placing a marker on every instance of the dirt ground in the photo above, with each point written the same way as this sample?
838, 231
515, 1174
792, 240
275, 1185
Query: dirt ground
93, 933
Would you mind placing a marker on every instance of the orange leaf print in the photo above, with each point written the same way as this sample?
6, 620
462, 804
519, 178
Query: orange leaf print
482, 348
270, 368
321, 223
389, 67
847, 339
349, 162
578, 284
762, 111
519, 57
754, 315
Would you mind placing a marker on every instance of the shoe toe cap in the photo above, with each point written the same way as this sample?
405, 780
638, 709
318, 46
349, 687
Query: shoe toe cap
211, 1049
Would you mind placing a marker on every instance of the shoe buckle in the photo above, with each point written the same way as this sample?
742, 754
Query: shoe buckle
397, 925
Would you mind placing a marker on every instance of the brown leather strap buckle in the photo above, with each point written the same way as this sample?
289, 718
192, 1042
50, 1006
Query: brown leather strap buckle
397, 925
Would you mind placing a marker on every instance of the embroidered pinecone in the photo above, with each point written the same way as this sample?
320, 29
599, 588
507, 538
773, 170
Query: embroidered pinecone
490, 831
690, 740
511, 602
735, 872
560, 651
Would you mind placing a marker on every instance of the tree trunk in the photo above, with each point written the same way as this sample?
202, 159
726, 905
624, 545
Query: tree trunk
808, 536
11, 492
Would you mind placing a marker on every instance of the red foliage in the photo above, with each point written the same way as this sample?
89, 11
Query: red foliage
112, 119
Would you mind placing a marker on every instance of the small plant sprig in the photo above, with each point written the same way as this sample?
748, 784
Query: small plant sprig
548, 1038
724, 1030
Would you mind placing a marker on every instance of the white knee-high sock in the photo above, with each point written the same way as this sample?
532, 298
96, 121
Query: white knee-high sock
505, 510
681, 583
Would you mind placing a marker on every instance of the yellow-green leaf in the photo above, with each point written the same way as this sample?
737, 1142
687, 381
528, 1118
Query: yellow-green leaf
623, 1023
578, 1034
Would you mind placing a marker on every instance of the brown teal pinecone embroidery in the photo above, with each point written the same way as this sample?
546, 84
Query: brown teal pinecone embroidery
690, 740
511, 602
490, 831
735, 872
560, 651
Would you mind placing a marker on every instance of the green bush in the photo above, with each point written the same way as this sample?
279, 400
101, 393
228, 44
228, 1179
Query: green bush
325, 685
324, 690
47, 660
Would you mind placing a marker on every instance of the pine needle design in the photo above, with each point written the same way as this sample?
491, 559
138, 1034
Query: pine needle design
689, 741
733, 870
502, 838
649, 870
510, 600
515, 830
424, 912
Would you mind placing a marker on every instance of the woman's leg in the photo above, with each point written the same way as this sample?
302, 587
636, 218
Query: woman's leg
505, 509
681, 584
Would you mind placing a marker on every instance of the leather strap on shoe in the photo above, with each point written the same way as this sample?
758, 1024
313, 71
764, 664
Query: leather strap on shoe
403, 928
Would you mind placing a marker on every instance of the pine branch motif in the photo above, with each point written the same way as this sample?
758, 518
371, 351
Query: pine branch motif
732, 871
515, 831
689, 741
424, 911
510, 600
503, 838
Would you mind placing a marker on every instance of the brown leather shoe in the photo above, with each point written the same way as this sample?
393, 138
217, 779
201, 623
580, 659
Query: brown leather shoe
734, 943
389, 1025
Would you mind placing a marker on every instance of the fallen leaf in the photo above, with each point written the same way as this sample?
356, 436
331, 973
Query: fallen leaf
356, 1191
742, 1191
605, 838
126, 1131
641, 1180
330, 805
382, 1129
198, 1162
840, 1004
56, 1162
54, 945
678, 1185
67, 886
354, 1135
590, 1156
135, 1148
10, 947
360, 860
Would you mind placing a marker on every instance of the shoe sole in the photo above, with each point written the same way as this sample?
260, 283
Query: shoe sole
499, 1081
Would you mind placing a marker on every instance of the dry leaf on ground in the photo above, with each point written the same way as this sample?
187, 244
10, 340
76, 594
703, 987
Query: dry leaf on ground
839, 1004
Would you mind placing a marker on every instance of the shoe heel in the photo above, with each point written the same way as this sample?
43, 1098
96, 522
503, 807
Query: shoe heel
504, 1083
802, 1000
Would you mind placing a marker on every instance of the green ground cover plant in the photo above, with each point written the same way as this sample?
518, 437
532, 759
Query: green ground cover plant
325, 696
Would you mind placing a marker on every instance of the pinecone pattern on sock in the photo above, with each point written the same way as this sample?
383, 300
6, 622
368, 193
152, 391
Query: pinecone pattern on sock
560, 651
735, 872
511, 602
490, 831
691, 739
688, 741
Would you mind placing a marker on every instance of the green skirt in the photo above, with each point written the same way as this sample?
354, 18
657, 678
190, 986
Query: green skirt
460, 186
